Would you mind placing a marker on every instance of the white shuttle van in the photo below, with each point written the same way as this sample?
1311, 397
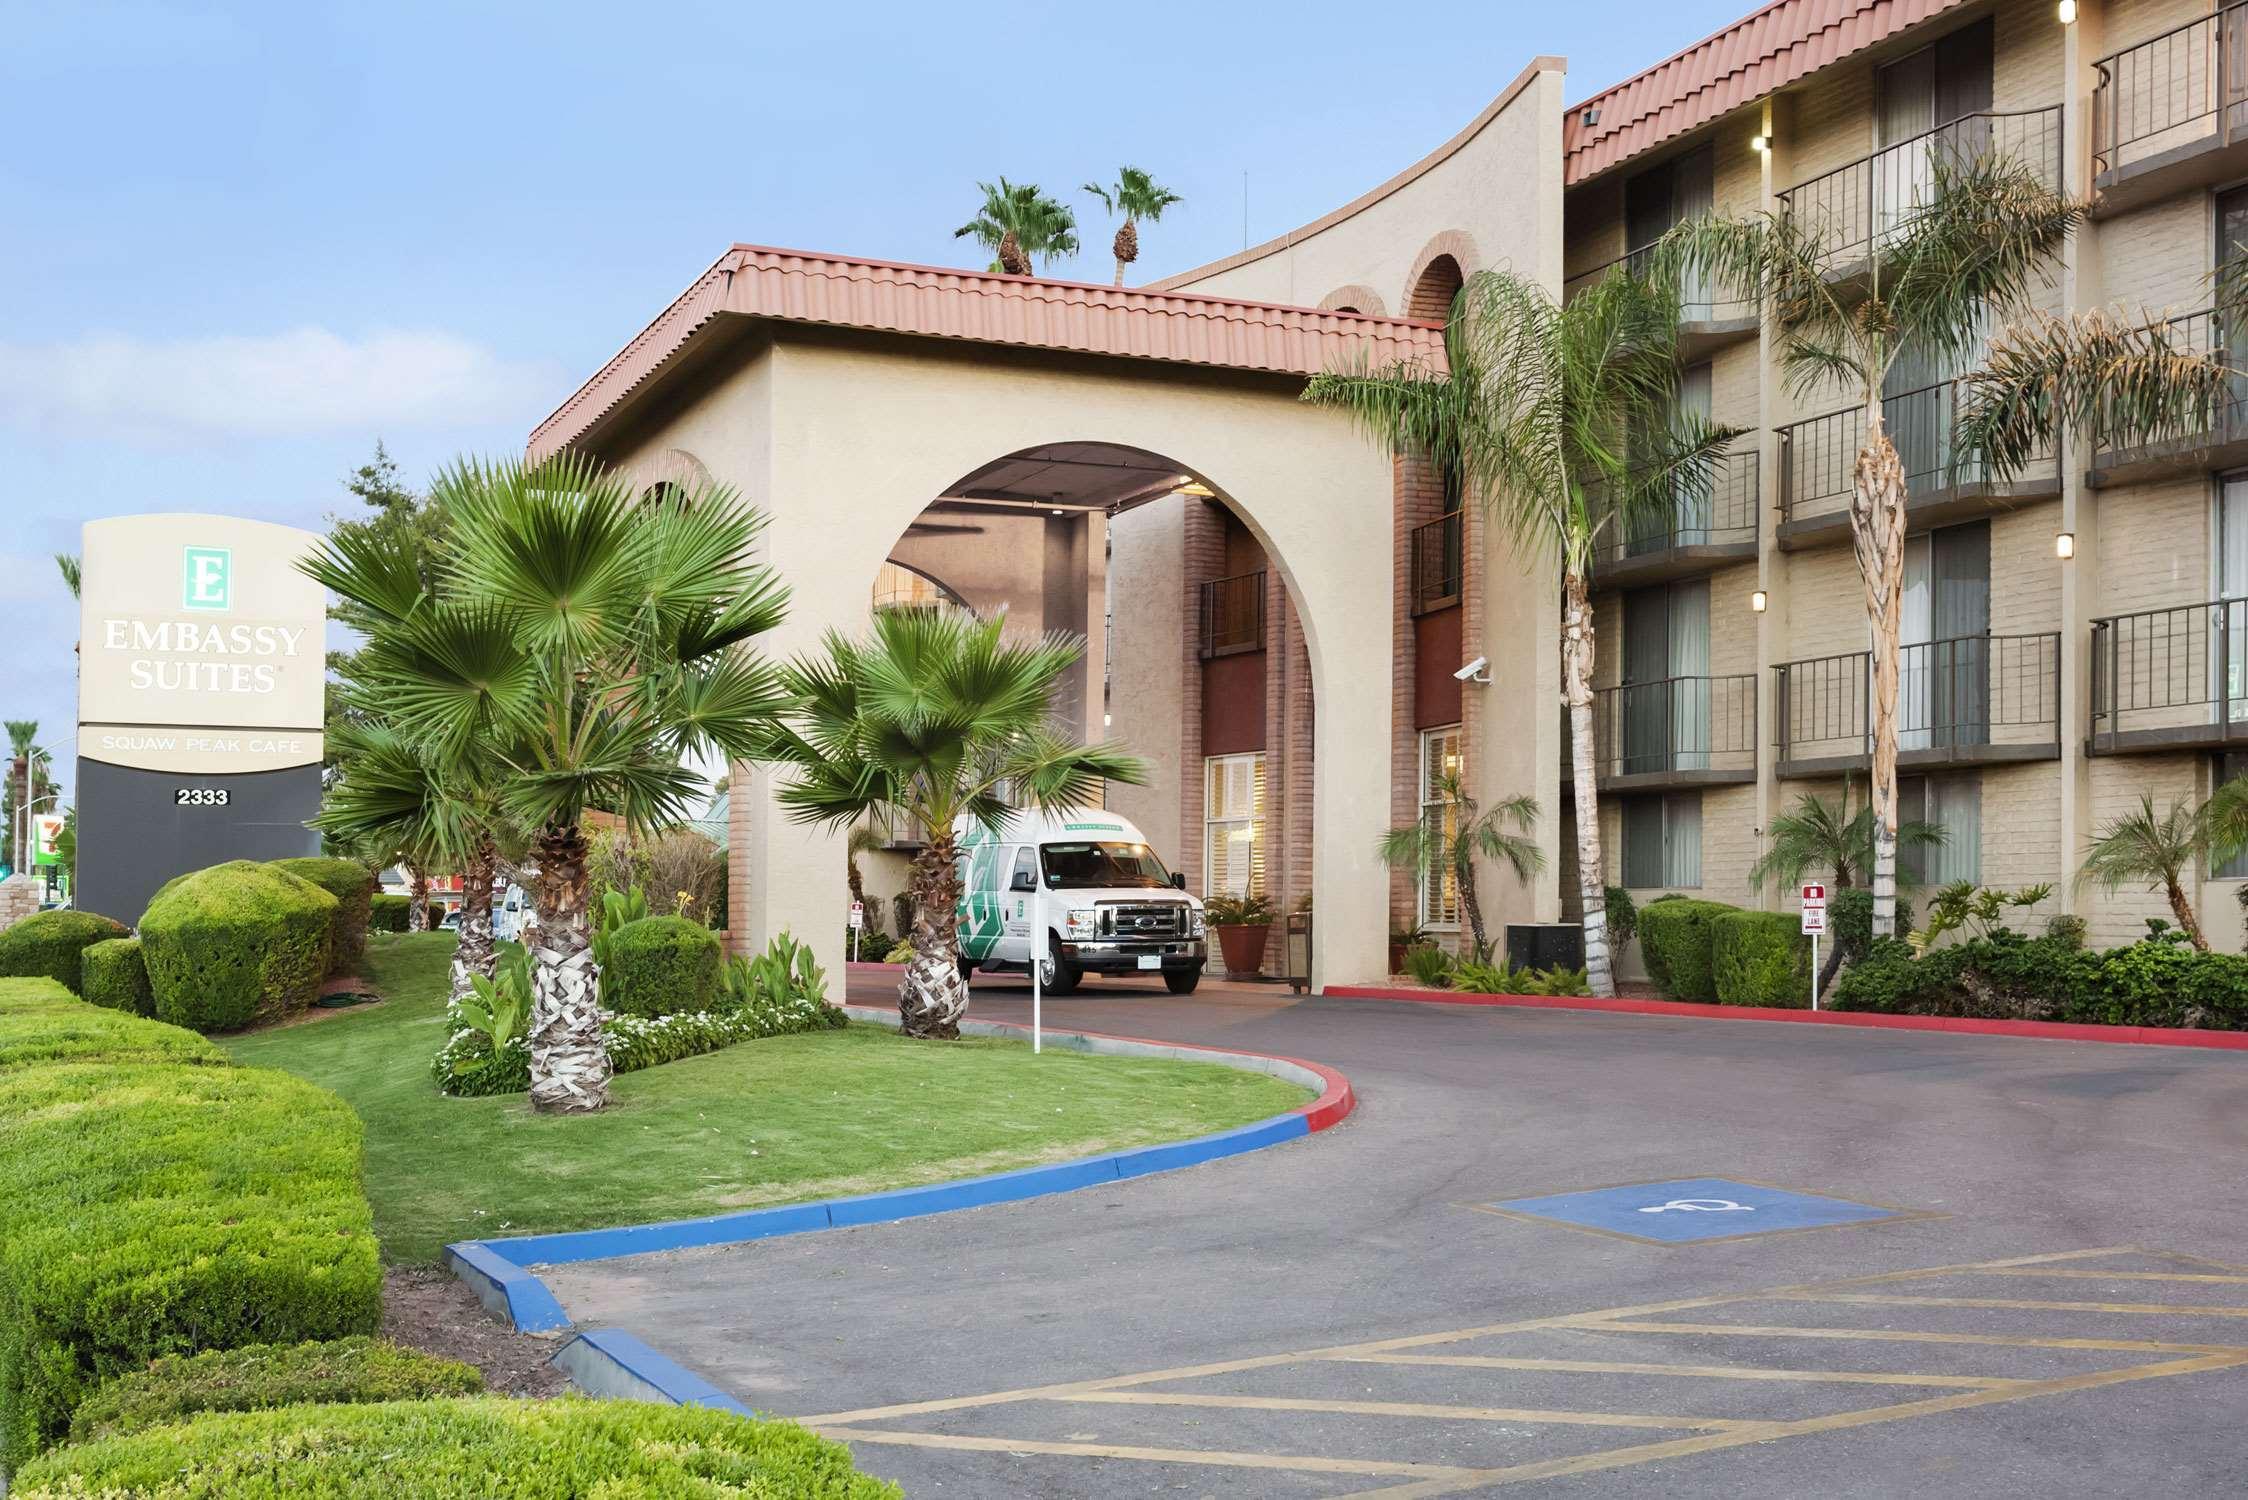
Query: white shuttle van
1102, 896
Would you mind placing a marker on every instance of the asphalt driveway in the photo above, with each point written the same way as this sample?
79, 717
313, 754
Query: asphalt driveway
2057, 1311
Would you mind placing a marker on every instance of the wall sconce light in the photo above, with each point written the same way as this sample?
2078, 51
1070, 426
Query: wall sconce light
2068, 12
1760, 143
1758, 600
2064, 545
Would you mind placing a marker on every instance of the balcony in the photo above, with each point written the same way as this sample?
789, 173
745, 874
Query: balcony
2221, 441
897, 831
1708, 319
1818, 458
1856, 210
1436, 563
1972, 700
1673, 732
1697, 535
1233, 614
2170, 679
2171, 114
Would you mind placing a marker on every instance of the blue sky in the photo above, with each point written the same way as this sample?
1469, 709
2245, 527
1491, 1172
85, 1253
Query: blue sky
247, 240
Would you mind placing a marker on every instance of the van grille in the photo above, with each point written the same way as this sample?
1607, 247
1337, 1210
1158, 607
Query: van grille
1158, 919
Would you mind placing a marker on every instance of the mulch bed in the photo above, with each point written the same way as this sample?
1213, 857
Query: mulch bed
430, 1309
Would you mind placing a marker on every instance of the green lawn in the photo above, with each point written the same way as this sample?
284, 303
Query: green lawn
775, 1121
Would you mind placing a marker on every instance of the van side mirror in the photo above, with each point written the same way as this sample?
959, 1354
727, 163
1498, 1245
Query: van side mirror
1178, 880
1024, 881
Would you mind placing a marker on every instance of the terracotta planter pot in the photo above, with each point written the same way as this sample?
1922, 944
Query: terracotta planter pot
1397, 958
1243, 947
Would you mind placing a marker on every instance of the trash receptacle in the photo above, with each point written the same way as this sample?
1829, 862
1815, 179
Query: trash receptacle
1296, 939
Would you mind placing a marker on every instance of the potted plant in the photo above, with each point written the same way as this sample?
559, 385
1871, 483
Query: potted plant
1242, 923
1401, 939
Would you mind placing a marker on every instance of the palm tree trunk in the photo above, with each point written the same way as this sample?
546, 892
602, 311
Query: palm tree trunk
2182, 909
569, 1067
932, 996
1877, 537
1011, 257
1576, 691
476, 954
1465, 874
417, 899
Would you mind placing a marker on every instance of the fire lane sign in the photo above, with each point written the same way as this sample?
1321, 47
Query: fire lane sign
1814, 909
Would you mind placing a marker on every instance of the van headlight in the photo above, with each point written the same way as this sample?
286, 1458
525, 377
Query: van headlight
1197, 927
1082, 922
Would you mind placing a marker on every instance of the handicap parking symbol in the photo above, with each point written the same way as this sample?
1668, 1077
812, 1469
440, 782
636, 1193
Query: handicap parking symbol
1683, 1210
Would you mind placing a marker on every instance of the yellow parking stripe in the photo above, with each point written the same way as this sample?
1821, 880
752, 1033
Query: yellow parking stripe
1908, 1336
1709, 1372
1305, 1462
1524, 1414
2147, 1309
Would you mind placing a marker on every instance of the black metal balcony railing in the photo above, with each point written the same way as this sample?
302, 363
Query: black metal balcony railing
1726, 516
1233, 614
1964, 693
1700, 300
2171, 676
1818, 457
1674, 726
2184, 90
1437, 564
1855, 209
2205, 332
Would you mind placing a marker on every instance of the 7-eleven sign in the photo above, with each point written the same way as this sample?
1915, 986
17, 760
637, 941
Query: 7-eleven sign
46, 829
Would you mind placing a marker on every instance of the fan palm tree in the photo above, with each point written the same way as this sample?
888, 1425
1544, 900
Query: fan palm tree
2153, 851
1136, 196
932, 717
581, 643
1019, 224
1977, 246
1452, 837
1542, 409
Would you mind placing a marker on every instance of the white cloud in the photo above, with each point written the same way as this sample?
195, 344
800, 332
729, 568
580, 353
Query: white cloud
307, 380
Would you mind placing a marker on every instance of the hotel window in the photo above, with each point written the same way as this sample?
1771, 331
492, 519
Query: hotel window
1955, 805
1663, 841
2230, 766
1233, 827
1440, 888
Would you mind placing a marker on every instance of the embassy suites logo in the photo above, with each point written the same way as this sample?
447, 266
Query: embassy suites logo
176, 655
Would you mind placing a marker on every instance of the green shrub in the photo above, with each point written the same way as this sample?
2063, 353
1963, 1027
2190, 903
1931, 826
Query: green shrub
1850, 921
1675, 939
1760, 958
41, 1022
478, 1445
258, 1377
235, 945
152, 1208
48, 944
2071, 928
388, 913
1429, 964
661, 966
115, 976
1623, 917
353, 886
2162, 981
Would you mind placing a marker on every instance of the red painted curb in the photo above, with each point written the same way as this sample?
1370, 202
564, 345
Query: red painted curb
2054, 1031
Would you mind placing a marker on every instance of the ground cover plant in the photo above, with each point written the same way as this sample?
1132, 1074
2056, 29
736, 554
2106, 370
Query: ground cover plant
779, 1120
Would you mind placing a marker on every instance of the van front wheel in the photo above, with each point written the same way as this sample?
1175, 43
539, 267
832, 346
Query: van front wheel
1058, 976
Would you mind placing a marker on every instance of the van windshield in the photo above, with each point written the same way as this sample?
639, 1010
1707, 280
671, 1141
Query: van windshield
1118, 866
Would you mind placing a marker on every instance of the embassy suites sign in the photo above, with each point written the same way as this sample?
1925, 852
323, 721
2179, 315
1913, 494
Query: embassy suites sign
200, 646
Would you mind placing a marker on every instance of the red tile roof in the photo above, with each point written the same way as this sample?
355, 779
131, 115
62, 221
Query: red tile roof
1781, 44
793, 286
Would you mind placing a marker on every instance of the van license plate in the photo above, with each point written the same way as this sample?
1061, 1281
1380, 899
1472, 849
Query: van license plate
1151, 960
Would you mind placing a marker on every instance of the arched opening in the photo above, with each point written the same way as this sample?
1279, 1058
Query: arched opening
1435, 290
1195, 657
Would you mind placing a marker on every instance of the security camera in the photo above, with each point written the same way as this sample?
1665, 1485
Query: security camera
1473, 671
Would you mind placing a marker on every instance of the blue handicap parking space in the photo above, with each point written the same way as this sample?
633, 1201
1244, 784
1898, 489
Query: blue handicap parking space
1682, 1210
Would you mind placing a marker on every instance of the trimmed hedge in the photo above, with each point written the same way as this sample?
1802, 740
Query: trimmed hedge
47, 944
259, 1377
116, 977
2161, 981
388, 913
158, 1207
480, 1445
1675, 939
353, 886
1760, 958
662, 966
40, 1022
235, 945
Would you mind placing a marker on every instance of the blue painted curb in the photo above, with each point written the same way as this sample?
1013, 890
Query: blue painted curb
612, 1362
499, 1271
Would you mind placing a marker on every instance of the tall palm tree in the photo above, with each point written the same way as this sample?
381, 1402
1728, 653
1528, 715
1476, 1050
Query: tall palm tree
581, 642
1542, 408
1019, 224
934, 718
2154, 851
1977, 246
1136, 196
23, 734
1453, 836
